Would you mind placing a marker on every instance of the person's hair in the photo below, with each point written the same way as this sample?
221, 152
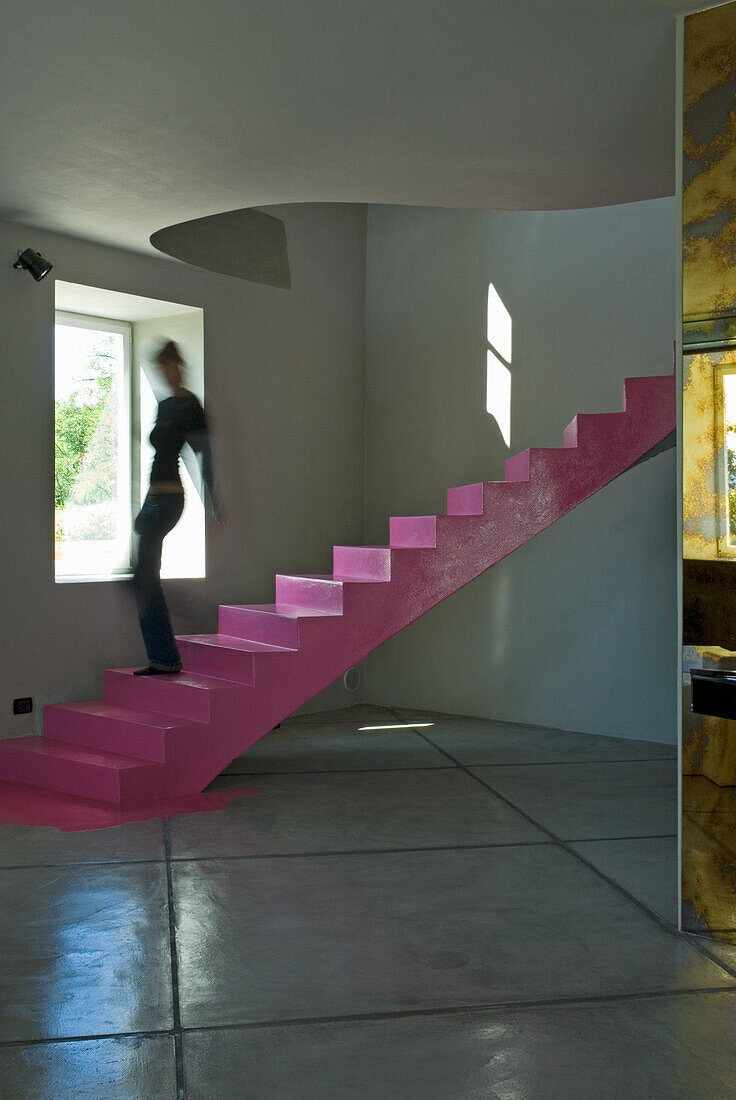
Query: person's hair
169, 350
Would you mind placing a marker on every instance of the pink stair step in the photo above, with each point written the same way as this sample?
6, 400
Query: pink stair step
186, 694
228, 658
370, 563
70, 769
264, 622
487, 496
112, 727
640, 394
321, 593
594, 429
417, 532
541, 462
465, 500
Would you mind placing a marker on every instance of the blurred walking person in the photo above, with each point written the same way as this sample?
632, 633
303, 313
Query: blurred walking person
180, 419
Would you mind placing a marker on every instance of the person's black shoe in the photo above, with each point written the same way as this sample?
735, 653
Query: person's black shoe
151, 671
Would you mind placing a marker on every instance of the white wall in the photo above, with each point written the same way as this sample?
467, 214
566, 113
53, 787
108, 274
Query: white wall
284, 387
577, 629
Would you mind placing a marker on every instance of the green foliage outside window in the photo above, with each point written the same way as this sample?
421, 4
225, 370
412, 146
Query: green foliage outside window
86, 449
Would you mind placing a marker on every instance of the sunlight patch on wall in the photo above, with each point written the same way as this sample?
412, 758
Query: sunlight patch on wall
498, 375
498, 399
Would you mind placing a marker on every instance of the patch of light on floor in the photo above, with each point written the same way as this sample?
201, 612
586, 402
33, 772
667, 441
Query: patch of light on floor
398, 726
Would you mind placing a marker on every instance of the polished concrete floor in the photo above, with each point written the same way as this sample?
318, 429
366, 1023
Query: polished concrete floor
460, 909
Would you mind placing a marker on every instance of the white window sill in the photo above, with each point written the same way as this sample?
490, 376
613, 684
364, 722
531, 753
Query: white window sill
93, 580
116, 577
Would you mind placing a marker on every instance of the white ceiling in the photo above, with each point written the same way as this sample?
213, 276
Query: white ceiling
119, 118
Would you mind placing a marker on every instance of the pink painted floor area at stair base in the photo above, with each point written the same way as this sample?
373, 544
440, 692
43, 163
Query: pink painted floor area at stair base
21, 805
267, 660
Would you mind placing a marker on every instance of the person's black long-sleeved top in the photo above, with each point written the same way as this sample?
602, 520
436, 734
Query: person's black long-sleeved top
182, 420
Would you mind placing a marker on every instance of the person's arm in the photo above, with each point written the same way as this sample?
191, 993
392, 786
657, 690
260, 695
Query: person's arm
197, 435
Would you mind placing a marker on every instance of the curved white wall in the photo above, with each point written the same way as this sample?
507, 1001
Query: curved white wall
577, 629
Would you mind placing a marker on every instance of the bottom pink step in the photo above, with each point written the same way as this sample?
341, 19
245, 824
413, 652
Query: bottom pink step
70, 769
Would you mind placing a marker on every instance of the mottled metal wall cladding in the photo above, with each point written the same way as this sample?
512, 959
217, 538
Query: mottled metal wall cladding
709, 166
245, 243
709, 576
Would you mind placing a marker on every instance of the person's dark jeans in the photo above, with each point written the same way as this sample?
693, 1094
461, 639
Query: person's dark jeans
159, 514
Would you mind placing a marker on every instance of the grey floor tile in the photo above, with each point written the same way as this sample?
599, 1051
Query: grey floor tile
664, 1048
476, 741
348, 811
85, 951
269, 940
104, 1069
30, 845
645, 866
592, 801
362, 712
337, 746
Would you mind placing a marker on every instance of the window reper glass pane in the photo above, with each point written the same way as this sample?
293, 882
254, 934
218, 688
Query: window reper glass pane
92, 450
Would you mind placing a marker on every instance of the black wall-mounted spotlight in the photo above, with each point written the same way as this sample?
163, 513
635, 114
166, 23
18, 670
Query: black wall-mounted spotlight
33, 262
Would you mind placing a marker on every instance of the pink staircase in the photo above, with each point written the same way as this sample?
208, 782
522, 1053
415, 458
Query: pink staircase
151, 738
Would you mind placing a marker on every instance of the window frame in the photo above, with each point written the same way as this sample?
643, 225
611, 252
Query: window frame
127, 427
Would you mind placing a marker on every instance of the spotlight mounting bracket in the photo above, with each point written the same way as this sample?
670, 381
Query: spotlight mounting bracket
29, 260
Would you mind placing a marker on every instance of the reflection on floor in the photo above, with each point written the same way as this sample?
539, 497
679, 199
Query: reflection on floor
709, 814
456, 910
709, 858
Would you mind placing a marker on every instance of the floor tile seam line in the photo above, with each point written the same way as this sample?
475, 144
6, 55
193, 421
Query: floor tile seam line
699, 944
164, 1032
426, 737
662, 922
477, 779
628, 836
339, 771
522, 727
173, 954
465, 1009
566, 847
64, 866
446, 767
574, 763
657, 918
362, 852
444, 752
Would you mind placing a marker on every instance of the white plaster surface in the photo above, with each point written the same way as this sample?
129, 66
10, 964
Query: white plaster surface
577, 629
284, 388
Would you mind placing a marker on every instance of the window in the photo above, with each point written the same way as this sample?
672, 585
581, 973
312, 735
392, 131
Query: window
106, 393
92, 489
